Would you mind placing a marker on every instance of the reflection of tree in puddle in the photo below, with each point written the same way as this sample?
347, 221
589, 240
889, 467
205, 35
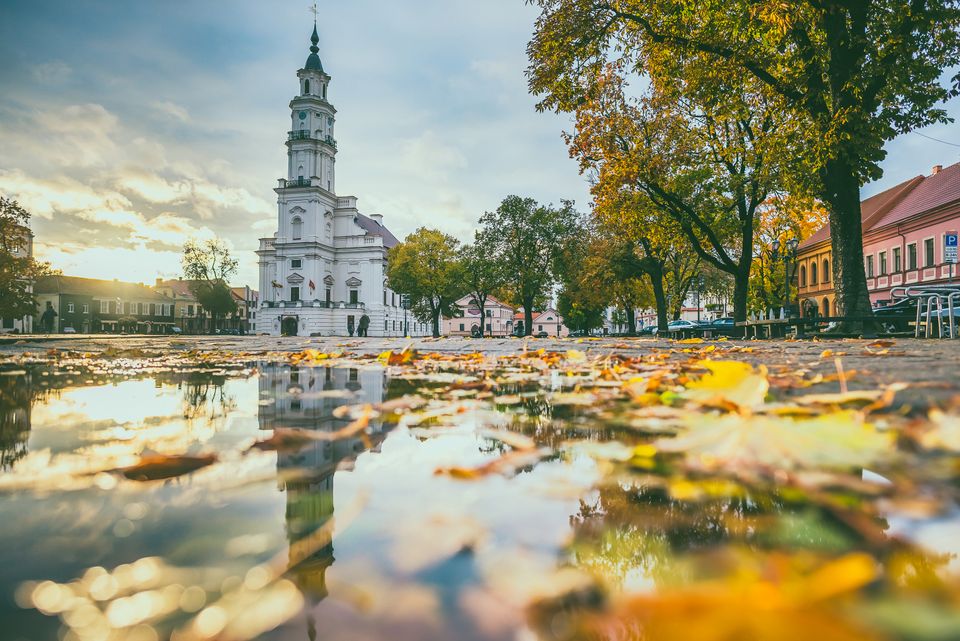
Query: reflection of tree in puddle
16, 398
307, 398
204, 397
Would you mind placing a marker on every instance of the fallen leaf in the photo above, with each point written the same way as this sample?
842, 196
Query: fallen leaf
729, 382
156, 467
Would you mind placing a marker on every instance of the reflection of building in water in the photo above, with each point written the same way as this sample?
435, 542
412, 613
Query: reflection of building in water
305, 398
16, 397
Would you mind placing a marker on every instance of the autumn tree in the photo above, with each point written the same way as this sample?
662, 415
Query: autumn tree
852, 75
527, 237
427, 267
706, 166
483, 272
18, 271
781, 219
209, 266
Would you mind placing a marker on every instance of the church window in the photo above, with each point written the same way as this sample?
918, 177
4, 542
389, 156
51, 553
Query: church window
294, 294
296, 228
306, 86
296, 263
300, 172
384, 297
328, 295
354, 296
324, 92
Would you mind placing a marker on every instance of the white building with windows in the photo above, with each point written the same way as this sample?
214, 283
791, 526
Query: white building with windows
325, 267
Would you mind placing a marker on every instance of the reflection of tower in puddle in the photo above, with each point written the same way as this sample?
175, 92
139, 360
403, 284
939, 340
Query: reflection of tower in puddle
16, 398
305, 398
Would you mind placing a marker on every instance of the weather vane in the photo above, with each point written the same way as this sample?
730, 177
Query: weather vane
314, 11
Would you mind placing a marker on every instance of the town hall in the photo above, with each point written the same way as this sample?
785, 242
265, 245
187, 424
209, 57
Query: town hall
324, 271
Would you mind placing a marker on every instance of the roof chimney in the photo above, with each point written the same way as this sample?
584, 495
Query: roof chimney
378, 218
937, 169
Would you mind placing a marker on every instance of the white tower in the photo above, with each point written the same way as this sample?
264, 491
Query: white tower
323, 272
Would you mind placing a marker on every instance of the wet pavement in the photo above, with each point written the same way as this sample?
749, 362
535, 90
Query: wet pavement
248, 487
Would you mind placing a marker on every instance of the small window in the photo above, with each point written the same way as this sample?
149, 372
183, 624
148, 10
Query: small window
539, 328
883, 263
189, 310
86, 309
461, 327
813, 273
294, 294
306, 87
324, 92
489, 313
296, 263
327, 297
295, 405
153, 309
104, 307
384, 325
912, 256
869, 268
897, 262
384, 297
803, 275
70, 307
354, 296
929, 259
826, 271
296, 228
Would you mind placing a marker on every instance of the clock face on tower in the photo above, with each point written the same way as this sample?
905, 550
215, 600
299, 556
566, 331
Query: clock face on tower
303, 115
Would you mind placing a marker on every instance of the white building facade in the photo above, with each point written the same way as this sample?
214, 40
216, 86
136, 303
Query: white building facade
325, 267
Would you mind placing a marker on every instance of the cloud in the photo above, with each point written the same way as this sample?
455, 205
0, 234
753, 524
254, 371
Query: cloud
430, 155
172, 110
78, 135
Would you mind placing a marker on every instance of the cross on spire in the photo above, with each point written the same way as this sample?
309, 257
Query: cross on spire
314, 11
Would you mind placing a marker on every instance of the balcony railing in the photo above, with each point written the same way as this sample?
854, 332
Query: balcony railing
304, 134
323, 304
298, 182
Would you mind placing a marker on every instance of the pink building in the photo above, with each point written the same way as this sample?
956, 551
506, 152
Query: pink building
903, 241
498, 321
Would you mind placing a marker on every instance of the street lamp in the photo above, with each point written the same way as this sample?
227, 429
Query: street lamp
786, 253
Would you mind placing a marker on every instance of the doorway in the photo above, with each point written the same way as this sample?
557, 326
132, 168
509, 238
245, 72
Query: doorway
288, 326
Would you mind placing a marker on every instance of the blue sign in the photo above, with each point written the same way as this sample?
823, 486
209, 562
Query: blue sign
951, 240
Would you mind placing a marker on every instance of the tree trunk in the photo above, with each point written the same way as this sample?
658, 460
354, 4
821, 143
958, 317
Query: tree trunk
741, 293
482, 302
842, 195
435, 321
656, 281
631, 320
527, 316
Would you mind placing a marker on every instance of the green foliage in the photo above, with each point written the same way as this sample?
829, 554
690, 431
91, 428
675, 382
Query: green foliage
482, 270
526, 239
17, 270
579, 312
209, 265
426, 266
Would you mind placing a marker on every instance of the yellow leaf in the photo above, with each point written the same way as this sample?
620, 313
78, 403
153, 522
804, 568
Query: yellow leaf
729, 382
576, 356
690, 341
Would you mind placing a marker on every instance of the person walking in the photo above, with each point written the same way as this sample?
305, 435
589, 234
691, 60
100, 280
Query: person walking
47, 318
364, 324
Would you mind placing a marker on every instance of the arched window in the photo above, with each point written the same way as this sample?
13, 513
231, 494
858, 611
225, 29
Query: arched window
306, 86
826, 306
826, 270
803, 275
813, 273
300, 172
296, 228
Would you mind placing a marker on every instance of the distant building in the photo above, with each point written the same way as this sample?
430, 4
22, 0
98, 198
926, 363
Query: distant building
21, 246
903, 242
549, 321
325, 267
188, 313
245, 318
88, 305
497, 321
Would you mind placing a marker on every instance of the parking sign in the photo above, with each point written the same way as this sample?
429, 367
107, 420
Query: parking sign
950, 247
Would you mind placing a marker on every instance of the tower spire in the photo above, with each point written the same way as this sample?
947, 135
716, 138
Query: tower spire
313, 60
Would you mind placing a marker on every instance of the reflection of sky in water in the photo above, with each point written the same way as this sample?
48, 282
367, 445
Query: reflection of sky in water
401, 551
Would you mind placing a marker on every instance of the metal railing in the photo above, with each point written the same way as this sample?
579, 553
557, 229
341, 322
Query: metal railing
934, 303
303, 134
298, 182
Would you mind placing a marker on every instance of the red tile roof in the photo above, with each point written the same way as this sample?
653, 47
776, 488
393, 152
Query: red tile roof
910, 198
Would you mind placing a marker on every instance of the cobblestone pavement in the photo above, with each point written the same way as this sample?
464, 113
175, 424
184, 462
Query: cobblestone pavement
929, 367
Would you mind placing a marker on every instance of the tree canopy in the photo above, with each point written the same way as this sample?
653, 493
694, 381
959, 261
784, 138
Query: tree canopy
849, 75
18, 271
210, 266
427, 267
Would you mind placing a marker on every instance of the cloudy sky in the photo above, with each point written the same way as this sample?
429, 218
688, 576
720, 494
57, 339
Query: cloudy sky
128, 127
